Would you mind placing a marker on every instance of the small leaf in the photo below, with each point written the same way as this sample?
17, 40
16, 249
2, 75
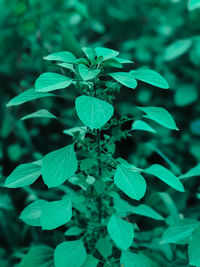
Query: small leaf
125, 78
129, 259
62, 56
24, 175
106, 53
42, 113
166, 176
50, 81
159, 115
130, 181
177, 49
70, 253
193, 4
87, 73
73, 231
58, 166
104, 247
93, 112
193, 172
68, 66
26, 96
151, 77
147, 211
91, 261
56, 213
194, 248
121, 232
143, 126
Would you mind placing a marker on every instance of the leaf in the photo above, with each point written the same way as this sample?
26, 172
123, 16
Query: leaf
166, 176
147, 211
159, 115
87, 73
121, 232
24, 175
90, 53
177, 49
106, 53
68, 66
70, 253
26, 96
194, 248
180, 231
50, 81
193, 4
151, 77
193, 172
143, 126
62, 56
185, 95
91, 261
125, 78
129, 259
104, 247
58, 166
73, 231
56, 213
32, 213
41, 256
42, 113
93, 112
130, 182
123, 60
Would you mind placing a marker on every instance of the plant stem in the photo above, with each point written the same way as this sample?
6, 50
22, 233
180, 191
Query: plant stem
99, 171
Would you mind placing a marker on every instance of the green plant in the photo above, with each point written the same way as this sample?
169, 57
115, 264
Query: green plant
99, 190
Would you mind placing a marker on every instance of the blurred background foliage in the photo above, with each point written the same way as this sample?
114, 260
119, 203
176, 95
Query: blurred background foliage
163, 35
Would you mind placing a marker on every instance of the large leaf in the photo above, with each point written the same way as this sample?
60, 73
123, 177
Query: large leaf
159, 115
106, 53
147, 211
143, 126
58, 166
193, 4
41, 256
121, 232
177, 49
129, 259
93, 112
191, 173
87, 73
56, 213
50, 81
151, 77
180, 232
28, 95
62, 56
70, 253
194, 248
125, 78
42, 113
130, 181
23, 175
166, 176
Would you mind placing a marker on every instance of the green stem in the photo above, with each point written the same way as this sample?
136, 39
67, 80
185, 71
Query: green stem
99, 172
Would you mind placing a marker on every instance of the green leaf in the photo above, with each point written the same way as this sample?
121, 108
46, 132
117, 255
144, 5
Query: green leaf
194, 248
106, 53
42, 113
26, 96
73, 231
90, 53
56, 213
159, 115
185, 95
104, 247
62, 56
68, 66
129, 259
147, 211
177, 49
91, 261
193, 4
166, 176
50, 81
151, 77
123, 60
125, 78
180, 231
23, 175
58, 166
143, 126
32, 213
87, 73
70, 253
93, 112
121, 232
191, 173
41, 256
130, 181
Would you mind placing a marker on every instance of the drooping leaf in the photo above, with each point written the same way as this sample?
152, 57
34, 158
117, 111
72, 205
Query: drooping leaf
73, 231
129, 259
26, 96
147, 211
180, 231
106, 53
141, 125
191, 173
159, 115
193, 4
151, 77
194, 248
91, 261
56, 213
50, 81
24, 175
166, 176
121, 232
104, 247
32, 213
62, 56
124, 78
87, 73
130, 181
93, 112
70, 253
58, 166
41, 256
42, 113
177, 49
